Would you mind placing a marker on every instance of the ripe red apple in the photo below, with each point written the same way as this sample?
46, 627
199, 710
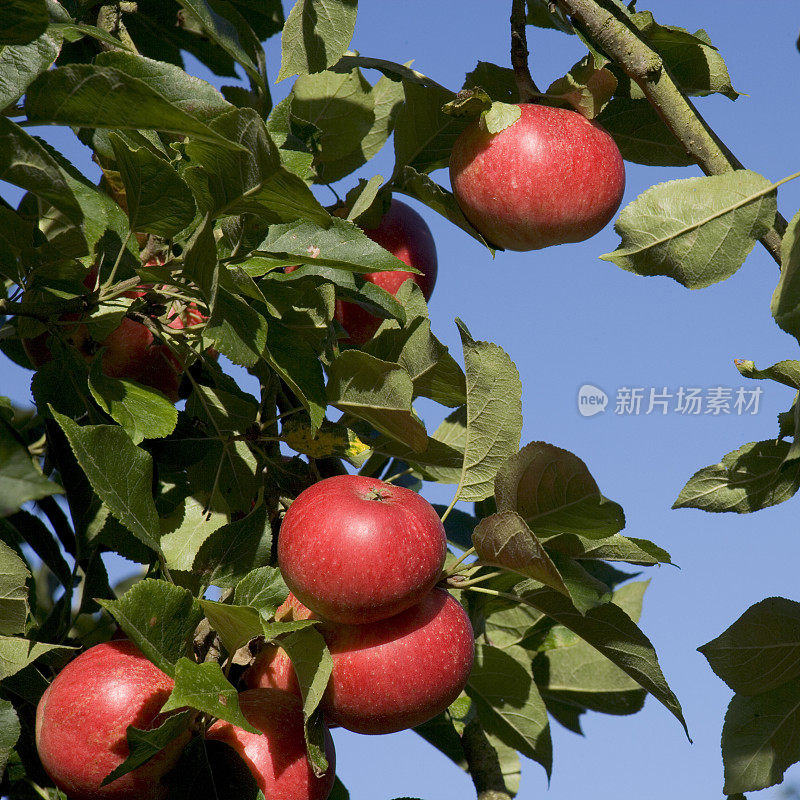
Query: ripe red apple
277, 757
83, 715
387, 675
551, 177
356, 549
404, 233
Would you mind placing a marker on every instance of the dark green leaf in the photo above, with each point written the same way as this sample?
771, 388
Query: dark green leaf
554, 492
263, 589
144, 744
786, 298
143, 412
120, 473
158, 199
509, 704
88, 96
9, 732
235, 625
761, 650
236, 329
21, 479
759, 741
13, 591
22, 21
20, 64
746, 480
316, 34
204, 687
160, 618
17, 653
379, 393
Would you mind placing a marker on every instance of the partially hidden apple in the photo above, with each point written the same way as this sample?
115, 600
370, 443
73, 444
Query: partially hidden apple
387, 675
355, 549
277, 756
551, 177
83, 715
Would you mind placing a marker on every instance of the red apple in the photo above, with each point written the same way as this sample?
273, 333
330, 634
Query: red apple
356, 549
83, 715
404, 233
387, 675
277, 756
551, 177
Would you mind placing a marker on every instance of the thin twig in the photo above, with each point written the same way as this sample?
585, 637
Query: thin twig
519, 54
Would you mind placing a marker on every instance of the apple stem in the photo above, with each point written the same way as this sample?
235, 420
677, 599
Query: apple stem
397, 475
456, 581
452, 569
528, 91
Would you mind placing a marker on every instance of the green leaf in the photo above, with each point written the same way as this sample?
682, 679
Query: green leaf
143, 412
24, 162
746, 480
230, 31
641, 135
182, 542
508, 703
263, 589
22, 22
335, 243
340, 106
694, 63
9, 732
424, 134
251, 179
186, 92
21, 479
426, 190
159, 201
231, 551
144, 744
17, 653
20, 64
613, 633
585, 87
316, 34
500, 116
759, 741
578, 675
504, 540
697, 231
159, 618
13, 591
611, 548
32, 530
543, 14
88, 96
554, 492
785, 372
494, 415
785, 303
378, 392
312, 664
235, 625
204, 687
761, 650
120, 473
237, 329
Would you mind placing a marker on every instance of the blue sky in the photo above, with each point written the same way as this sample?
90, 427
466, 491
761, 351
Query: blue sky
568, 319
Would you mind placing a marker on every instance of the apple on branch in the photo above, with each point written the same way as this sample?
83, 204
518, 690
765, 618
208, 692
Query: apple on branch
551, 177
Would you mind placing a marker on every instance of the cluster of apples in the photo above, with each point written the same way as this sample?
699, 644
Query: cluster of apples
364, 557
130, 351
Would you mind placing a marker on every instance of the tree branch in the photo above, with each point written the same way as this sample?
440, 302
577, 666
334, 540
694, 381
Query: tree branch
484, 768
619, 41
519, 53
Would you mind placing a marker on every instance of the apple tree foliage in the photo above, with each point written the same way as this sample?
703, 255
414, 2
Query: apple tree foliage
206, 196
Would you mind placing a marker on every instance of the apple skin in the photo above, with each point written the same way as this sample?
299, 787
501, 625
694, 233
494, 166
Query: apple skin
552, 177
82, 717
277, 757
387, 675
404, 233
355, 549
